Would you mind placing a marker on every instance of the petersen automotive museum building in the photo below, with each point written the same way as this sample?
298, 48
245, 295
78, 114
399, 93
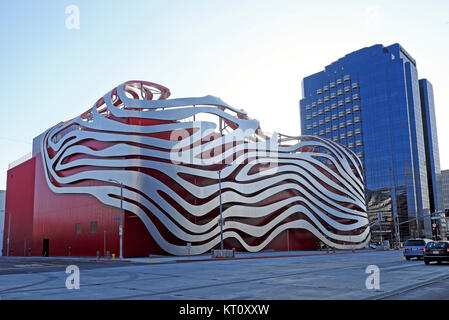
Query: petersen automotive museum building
172, 164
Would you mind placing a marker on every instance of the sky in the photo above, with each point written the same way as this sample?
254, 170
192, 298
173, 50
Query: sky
251, 54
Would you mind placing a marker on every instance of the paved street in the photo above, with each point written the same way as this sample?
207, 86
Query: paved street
339, 276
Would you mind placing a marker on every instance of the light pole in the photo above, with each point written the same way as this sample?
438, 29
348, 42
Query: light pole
394, 207
9, 231
221, 210
4, 219
221, 213
120, 228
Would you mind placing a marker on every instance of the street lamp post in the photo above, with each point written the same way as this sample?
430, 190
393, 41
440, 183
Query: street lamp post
9, 231
120, 229
221, 211
380, 226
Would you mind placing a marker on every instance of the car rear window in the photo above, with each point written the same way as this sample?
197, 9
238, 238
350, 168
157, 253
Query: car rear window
436, 245
415, 243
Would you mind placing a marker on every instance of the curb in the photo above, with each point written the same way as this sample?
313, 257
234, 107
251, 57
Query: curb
267, 257
117, 260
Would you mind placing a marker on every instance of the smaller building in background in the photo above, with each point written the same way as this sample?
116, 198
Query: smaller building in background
444, 185
2, 218
445, 188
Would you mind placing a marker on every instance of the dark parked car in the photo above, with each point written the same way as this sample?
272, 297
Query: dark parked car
414, 248
436, 251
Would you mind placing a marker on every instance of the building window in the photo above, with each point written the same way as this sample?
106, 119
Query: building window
78, 228
93, 226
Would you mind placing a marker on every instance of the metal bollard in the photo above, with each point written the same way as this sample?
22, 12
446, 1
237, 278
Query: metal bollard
113, 256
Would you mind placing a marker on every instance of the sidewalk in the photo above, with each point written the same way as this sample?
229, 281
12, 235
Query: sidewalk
242, 256
203, 257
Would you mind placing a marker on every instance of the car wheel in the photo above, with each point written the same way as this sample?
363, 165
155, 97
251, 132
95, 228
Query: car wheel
439, 262
426, 261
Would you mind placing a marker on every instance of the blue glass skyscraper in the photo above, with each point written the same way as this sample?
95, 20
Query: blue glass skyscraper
372, 102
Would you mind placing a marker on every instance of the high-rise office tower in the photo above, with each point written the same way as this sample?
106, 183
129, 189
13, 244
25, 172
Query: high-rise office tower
431, 145
2, 219
372, 102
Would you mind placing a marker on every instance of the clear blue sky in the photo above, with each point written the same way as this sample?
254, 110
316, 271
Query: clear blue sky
252, 54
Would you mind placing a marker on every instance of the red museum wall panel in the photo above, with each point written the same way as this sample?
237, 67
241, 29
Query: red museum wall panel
38, 213
19, 206
60, 224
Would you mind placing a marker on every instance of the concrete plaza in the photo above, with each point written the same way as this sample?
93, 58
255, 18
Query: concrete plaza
269, 275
